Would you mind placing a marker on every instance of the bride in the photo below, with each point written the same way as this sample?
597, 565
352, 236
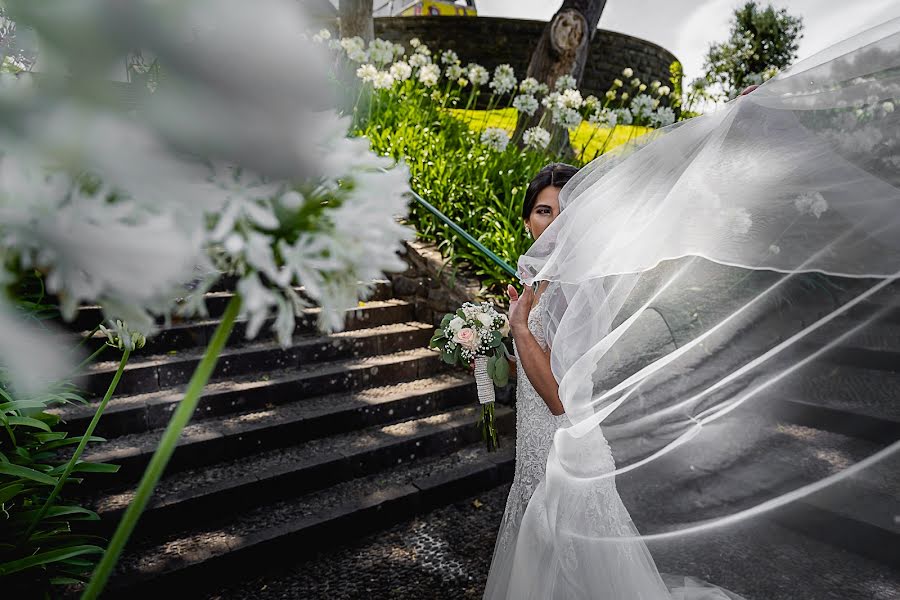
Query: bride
654, 306
628, 571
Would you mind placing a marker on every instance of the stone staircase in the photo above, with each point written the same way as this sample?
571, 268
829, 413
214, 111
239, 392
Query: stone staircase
295, 451
289, 451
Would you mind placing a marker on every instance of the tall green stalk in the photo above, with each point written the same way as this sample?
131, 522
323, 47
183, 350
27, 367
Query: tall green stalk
164, 451
80, 448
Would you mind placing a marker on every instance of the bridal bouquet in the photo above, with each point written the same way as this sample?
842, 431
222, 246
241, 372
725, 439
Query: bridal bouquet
475, 332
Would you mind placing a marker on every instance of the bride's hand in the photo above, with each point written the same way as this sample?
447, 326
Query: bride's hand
519, 308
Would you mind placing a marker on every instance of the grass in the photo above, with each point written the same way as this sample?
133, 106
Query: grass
586, 134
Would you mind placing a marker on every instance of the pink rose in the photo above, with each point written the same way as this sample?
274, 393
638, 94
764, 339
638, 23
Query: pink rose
465, 336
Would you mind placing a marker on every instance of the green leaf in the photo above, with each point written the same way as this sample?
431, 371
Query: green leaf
446, 320
17, 405
26, 473
89, 467
28, 422
501, 373
10, 491
447, 356
44, 558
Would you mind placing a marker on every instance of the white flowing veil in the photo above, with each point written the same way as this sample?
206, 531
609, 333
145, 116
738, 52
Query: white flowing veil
707, 282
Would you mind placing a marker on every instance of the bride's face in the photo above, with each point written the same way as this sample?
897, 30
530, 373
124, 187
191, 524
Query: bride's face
546, 208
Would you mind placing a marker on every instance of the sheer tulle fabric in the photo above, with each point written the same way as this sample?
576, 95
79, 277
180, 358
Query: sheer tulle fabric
698, 276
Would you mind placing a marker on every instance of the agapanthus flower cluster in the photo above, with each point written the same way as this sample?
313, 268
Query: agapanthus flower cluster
536, 138
565, 82
429, 75
504, 80
495, 138
478, 75
138, 216
526, 103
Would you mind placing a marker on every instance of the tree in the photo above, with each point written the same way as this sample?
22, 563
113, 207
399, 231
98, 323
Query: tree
356, 19
563, 50
762, 42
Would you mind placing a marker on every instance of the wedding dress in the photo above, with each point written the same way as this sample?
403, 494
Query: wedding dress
527, 566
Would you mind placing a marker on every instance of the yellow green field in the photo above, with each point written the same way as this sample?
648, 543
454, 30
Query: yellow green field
586, 133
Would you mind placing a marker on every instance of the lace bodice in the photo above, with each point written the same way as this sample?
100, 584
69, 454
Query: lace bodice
535, 426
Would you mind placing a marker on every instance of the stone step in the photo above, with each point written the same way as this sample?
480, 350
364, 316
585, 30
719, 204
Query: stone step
446, 553
189, 498
747, 458
138, 413
198, 333
876, 346
301, 524
90, 315
158, 372
231, 436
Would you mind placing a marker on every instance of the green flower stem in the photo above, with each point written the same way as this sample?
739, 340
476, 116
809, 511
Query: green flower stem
90, 334
163, 452
80, 448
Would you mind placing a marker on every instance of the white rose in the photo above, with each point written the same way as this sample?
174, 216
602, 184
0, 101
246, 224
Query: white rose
484, 319
504, 329
456, 324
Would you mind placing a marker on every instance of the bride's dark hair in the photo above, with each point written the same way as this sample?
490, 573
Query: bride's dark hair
553, 175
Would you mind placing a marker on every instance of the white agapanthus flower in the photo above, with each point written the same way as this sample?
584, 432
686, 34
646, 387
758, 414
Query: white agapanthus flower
381, 52
570, 99
664, 90
399, 51
635, 82
429, 74
529, 86
591, 103
526, 104
126, 217
610, 95
551, 100
495, 138
663, 117
565, 82
478, 75
627, 72
624, 116
367, 72
454, 71
536, 138
624, 96
567, 117
504, 80
415, 42
641, 105
322, 36
654, 85
383, 80
449, 57
604, 117
887, 107
617, 83
423, 50
419, 60
400, 70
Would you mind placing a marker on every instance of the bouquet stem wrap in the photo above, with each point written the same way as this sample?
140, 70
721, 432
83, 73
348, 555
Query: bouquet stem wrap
483, 381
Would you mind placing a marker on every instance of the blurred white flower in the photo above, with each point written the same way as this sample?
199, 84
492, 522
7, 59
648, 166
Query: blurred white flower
383, 80
610, 95
419, 60
449, 57
537, 138
617, 83
565, 82
429, 75
323, 35
570, 99
624, 96
118, 335
454, 71
367, 72
888, 107
641, 105
591, 103
525, 104
663, 117
627, 72
624, 116
664, 90
504, 80
642, 87
495, 138
529, 86
654, 85
415, 43
400, 70
381, 52
478, 75
567, 117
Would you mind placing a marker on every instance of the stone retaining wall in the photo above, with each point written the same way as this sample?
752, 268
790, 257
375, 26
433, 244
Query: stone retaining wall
492, 41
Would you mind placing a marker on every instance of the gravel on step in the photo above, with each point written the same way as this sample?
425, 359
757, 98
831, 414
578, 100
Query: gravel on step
174, 548
446, 554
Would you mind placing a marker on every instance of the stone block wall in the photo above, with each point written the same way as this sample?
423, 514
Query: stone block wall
492, 41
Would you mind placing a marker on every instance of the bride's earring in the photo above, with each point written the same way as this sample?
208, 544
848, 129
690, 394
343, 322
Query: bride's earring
528, 230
